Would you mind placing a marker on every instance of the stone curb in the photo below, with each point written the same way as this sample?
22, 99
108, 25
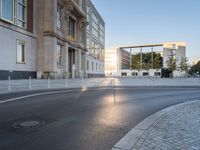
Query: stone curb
130, 139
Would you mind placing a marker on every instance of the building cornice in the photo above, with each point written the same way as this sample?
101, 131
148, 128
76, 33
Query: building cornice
72, 6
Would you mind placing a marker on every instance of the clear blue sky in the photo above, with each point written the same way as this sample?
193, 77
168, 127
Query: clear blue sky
152, 21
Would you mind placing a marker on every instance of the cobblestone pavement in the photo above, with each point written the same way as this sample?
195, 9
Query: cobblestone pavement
175, 128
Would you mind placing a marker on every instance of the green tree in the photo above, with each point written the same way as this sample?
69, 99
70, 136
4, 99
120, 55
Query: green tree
147, 61
135, 62
195, 68
184, 65
171, 63
157, 61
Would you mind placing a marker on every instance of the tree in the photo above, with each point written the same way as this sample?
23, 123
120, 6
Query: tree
171, 63
184, 65
135, 62
147, 61
195, 68
157, 61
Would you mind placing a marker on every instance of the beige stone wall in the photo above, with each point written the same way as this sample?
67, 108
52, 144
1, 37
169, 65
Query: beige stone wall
49, 36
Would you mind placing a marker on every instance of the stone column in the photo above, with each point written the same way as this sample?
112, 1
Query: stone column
79, 60
84, 63
50, 64
65, 59
46, 61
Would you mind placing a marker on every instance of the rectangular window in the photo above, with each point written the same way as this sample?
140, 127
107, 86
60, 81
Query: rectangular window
21, 13
92, 66
7, 10
81, 4
21, 52
59, 55
58, 17
88, 65
71, 28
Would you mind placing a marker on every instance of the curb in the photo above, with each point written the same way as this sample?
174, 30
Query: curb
131, 138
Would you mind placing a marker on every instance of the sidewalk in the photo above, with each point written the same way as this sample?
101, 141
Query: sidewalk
37, 84
7, 86
174, 128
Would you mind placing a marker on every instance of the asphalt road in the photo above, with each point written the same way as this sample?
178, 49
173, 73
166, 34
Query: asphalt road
91, 120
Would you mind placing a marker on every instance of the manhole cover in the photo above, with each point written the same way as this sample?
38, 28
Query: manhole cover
29, 124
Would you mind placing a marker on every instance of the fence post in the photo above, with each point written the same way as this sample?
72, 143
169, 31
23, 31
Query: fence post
30, 83
66, 84
9, 84
49, 82
114, 94
82, 79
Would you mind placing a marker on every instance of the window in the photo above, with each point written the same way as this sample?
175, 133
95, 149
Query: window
10, 9
81, 4
59, 55
58, 17
88, 67
71, 28
99, 67
21, 52
21, 13
7, 10
92, 66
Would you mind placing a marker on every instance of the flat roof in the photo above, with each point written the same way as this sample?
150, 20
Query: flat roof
154, 45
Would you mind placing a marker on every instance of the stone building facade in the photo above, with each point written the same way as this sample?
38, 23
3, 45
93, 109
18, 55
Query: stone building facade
61, 38
42, 38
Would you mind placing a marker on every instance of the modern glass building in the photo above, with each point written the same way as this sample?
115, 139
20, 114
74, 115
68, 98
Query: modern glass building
120, 61
95, 42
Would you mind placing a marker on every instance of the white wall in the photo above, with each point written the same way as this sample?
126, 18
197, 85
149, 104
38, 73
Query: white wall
8, 49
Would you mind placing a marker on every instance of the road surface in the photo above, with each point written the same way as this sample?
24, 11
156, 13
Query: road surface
87, 120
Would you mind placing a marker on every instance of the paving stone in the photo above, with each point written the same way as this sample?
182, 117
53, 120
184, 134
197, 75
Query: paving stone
178, 130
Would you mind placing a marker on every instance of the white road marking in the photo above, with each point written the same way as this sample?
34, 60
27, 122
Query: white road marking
46, 93
38, 94
80, 90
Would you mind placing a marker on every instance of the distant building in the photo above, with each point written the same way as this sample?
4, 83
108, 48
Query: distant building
118, 59
95, 42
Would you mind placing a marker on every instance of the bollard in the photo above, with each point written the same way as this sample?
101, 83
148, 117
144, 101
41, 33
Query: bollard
114, 94
49, 82
66, 84
30, 83
9, 84
82, 79
83, 88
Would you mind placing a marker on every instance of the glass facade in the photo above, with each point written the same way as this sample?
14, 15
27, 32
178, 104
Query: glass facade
95, 41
